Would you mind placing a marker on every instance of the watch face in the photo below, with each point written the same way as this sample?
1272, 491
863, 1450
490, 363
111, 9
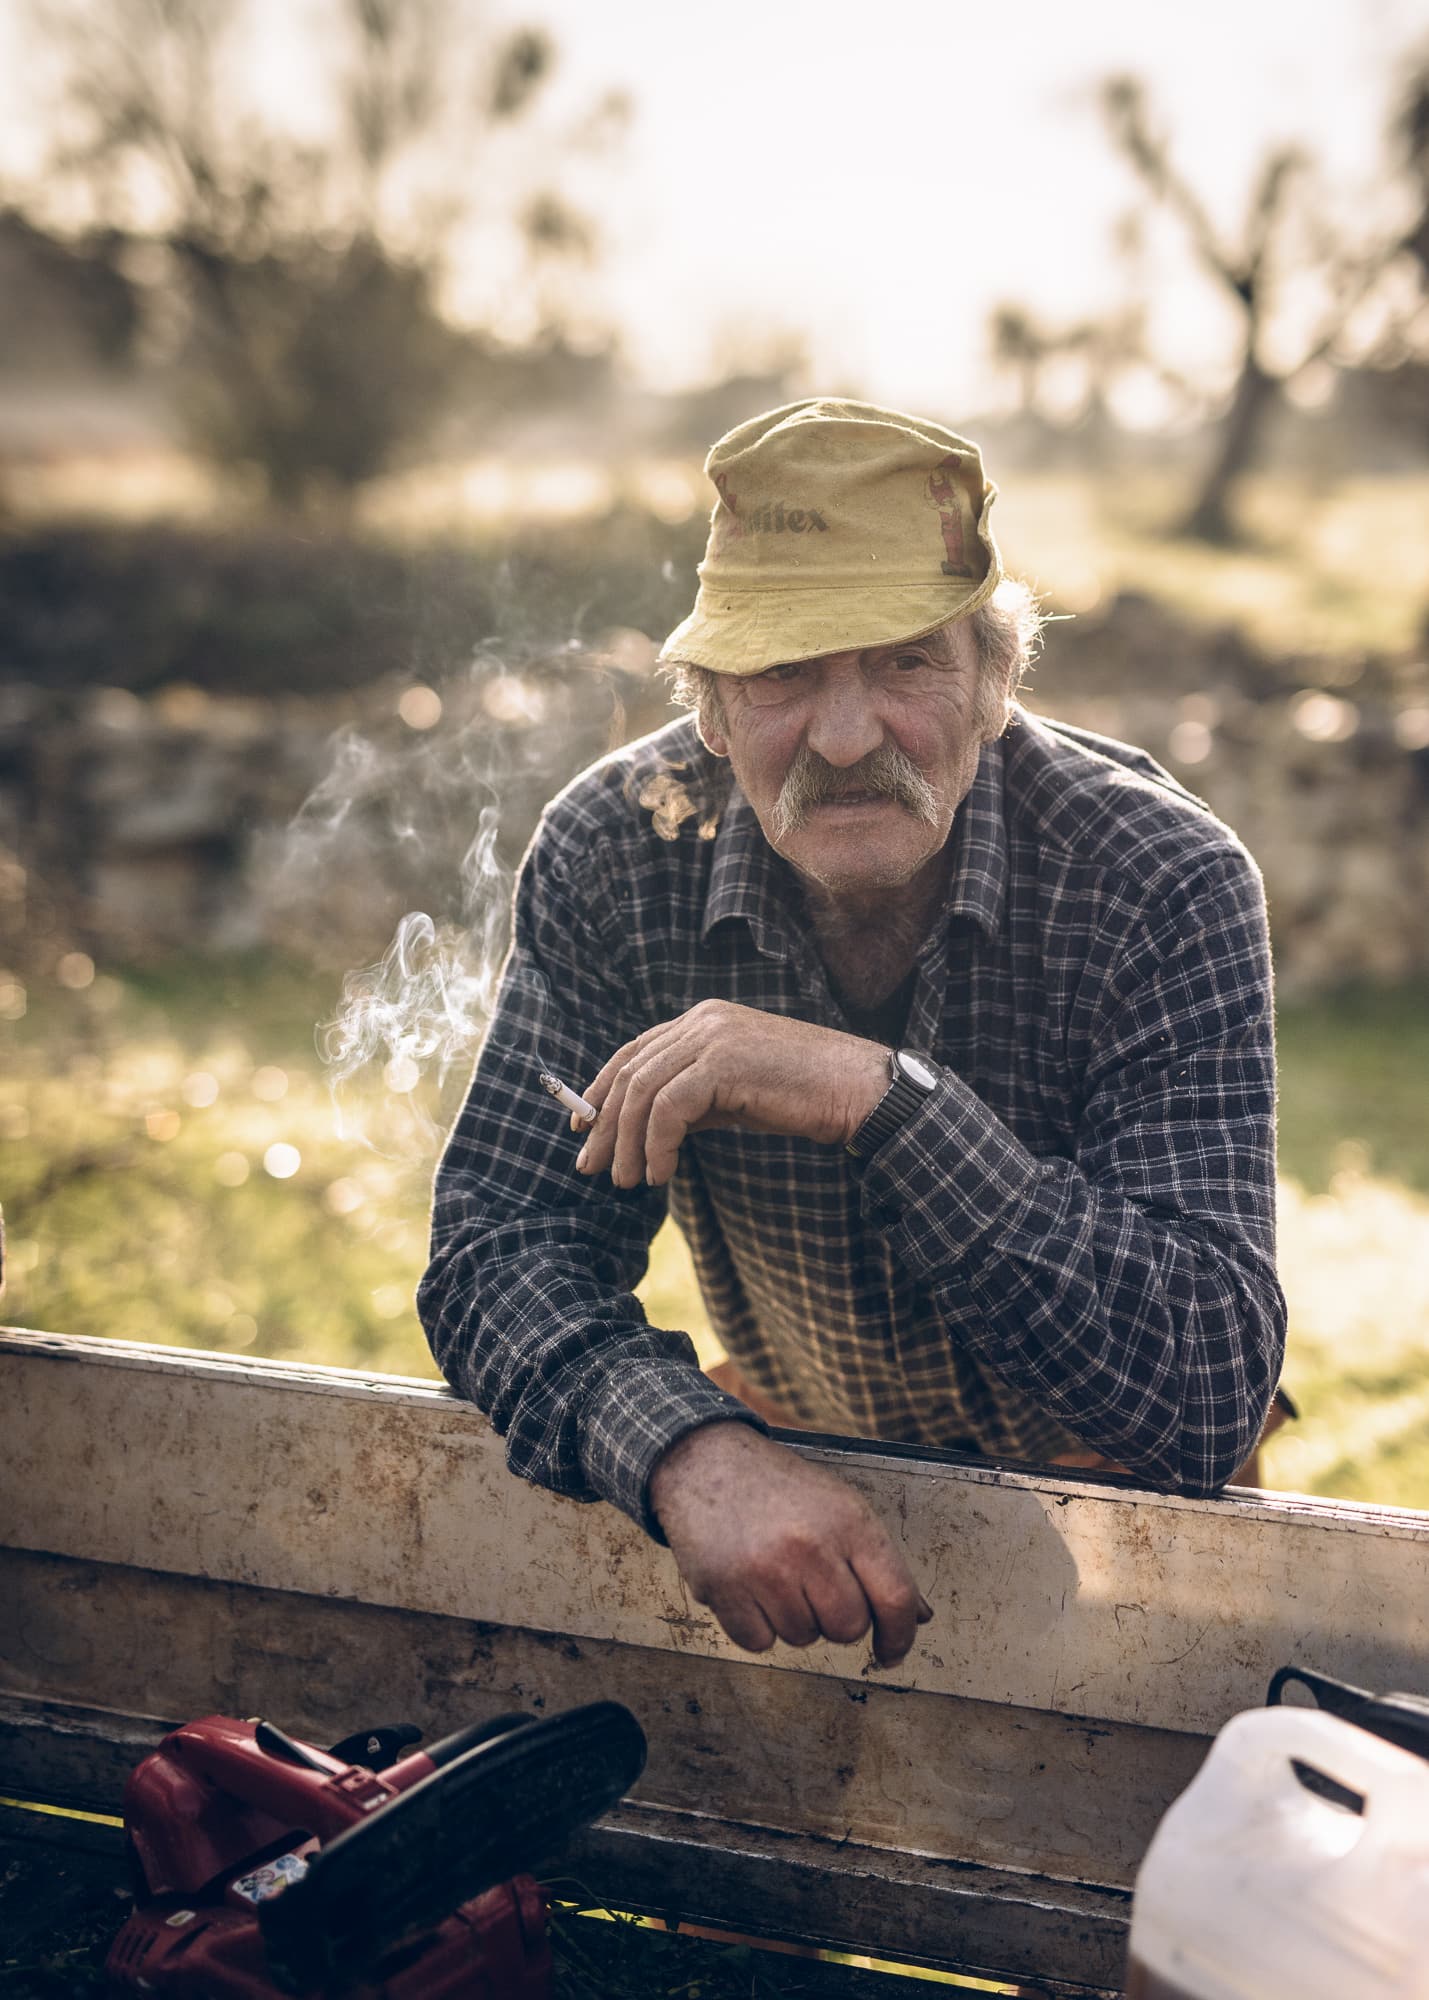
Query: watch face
917, 1070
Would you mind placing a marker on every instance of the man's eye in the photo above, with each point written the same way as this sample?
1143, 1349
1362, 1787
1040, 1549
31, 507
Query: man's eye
908, 663
789, 670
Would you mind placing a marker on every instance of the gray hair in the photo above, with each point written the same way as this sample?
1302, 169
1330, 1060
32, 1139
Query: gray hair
1007, 632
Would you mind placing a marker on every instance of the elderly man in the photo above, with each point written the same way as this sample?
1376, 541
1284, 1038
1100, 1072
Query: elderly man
944, 1030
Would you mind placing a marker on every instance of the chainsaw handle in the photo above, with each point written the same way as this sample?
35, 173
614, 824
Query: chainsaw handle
227, 1755
419, 1764
268, 1736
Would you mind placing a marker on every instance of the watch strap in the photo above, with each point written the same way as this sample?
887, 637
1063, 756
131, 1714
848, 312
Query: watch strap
897, 1105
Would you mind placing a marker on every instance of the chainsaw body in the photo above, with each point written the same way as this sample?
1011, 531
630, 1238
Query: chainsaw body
265, 1867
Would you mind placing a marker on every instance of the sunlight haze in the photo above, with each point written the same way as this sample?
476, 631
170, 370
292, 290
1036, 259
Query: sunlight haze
870, 191
878, 187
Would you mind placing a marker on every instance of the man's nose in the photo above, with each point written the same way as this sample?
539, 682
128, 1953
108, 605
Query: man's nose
846, 725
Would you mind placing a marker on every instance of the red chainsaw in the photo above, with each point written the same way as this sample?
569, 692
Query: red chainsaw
372, 1871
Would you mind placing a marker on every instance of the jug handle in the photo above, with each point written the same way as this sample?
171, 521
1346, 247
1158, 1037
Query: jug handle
1348, 1757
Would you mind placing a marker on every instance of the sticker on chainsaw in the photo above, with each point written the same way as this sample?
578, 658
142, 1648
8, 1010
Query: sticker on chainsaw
271, 1879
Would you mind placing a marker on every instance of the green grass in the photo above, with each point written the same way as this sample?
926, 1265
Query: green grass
137, 1118
1354, 1087
135, 1213
1334, 567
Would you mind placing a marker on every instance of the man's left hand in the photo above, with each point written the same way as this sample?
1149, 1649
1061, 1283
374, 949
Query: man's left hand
718, 1064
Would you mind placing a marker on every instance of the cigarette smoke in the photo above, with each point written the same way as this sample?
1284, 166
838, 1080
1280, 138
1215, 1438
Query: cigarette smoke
414, 835
419, 1012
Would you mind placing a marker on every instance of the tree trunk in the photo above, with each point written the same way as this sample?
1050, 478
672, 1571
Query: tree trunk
1255, 397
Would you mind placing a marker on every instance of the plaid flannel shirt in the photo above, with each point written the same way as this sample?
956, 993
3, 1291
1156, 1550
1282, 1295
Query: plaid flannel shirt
1072, 1241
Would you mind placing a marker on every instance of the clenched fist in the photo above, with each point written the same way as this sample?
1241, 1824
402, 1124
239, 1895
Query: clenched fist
780, 1548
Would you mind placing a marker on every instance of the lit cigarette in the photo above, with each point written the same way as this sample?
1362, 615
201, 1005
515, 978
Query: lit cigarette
563, 1094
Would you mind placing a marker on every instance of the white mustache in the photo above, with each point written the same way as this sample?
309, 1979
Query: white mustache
885, 773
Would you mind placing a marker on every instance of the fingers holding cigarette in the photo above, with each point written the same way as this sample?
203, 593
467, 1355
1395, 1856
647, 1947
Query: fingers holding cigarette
579, 1107
719, 1064
641, 1124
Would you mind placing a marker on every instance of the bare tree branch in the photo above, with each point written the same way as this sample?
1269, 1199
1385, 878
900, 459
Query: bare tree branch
1280, 205
1267, 206
1125, 109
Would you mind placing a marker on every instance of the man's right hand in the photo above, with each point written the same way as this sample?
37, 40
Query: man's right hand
780, 1548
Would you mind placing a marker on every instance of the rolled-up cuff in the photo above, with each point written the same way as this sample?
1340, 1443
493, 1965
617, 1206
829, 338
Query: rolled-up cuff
638, 1412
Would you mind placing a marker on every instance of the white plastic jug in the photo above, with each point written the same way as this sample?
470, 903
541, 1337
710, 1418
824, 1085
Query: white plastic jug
1255, 1887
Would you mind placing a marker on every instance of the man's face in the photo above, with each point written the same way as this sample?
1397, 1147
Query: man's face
855, 763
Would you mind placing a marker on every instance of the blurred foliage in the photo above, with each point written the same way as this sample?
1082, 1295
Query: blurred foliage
1338, 569
287, 290
1346, 1063
1313, 276
317, 367
139, 1118
1354, 1246
259, 609
160, 1222
264, 611
1290, 246
64, 301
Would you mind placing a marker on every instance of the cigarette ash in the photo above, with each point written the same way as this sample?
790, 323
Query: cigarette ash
384, 847
567, 1098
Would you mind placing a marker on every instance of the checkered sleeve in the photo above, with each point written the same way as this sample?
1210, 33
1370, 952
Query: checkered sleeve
527, 1301
1129, 1289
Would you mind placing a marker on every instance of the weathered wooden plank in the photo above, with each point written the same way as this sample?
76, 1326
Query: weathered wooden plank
70, 1753
1051, 1592
928, 1773
187, 1532
985, 1921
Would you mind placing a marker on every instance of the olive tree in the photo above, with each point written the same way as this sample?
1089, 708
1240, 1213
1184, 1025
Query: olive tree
295, 267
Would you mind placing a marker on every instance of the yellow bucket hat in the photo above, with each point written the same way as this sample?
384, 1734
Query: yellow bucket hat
837, 526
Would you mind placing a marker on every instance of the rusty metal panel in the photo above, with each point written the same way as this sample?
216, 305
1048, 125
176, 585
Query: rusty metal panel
933, 1774
1052, 1593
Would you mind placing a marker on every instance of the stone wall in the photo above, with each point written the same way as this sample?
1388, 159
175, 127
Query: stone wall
132, 827
1320, 765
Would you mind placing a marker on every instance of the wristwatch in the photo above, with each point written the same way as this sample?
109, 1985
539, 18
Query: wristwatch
914, 1079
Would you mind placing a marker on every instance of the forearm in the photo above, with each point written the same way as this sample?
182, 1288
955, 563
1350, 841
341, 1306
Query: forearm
529, 1318
528, 1302
1153, 1334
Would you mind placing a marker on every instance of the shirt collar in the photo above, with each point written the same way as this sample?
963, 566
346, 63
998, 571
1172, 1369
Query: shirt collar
977, 887
748, 879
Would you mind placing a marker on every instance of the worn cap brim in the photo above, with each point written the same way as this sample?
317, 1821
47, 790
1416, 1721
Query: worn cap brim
746, 631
